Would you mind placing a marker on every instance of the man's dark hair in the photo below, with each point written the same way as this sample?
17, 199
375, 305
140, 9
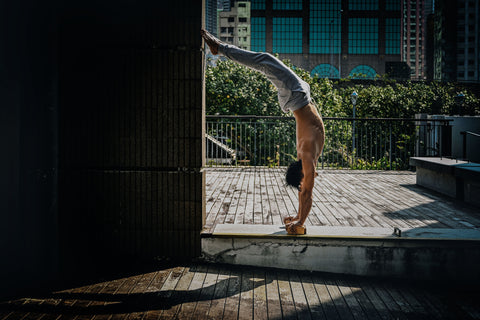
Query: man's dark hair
294, 174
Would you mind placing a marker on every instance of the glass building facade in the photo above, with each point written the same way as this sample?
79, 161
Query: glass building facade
363, 4
258, 34
363, 36
325, 70
329, 38
392, 36
363, 72
287, 4
325, 26
287, 35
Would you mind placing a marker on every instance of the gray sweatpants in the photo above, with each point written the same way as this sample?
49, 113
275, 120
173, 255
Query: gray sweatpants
293, 92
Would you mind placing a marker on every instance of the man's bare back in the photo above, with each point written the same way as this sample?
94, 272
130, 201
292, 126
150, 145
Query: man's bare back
310, 141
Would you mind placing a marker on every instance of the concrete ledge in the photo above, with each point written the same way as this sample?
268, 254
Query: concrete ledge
350, 233
442, 165
419, 253
454, 178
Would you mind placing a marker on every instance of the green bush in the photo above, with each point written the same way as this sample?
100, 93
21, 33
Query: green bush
232, 89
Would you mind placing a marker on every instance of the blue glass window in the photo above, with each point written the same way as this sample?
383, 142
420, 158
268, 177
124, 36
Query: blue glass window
363, 72
258, 34
287, 35
287, 4
325, 26
392, 36
325, 70
392, 5
363, 36
363, 4
257, 5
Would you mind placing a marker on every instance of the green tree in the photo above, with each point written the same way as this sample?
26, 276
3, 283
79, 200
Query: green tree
232, 89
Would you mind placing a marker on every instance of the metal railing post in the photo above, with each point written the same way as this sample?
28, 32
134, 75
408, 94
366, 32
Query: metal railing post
464, 149
390, 143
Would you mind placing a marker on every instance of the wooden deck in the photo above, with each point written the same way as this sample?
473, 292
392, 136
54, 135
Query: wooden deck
341, 198
201, 291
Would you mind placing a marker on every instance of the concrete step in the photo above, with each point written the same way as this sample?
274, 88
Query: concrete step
424, 253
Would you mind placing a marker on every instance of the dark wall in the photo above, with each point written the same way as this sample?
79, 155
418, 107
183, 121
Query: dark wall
102, 123
28, 104
130, 131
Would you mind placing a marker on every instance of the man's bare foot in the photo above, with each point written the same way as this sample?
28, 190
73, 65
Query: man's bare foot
288, 220
211, 41
295, 228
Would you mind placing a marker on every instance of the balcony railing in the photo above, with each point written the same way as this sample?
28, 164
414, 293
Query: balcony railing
357, 143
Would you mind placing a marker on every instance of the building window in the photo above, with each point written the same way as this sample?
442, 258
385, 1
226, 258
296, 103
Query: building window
363, 4
242, 5
392, 5
242, 19
363, 36
325, 70
363, 72
325, 26
287, 35
257, 5
392, 36
258, 34
287, 4
231, 19
223, 29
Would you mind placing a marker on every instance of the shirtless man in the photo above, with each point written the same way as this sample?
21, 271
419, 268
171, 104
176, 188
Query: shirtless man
293, 95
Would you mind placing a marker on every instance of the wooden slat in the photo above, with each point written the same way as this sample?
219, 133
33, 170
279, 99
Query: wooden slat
188, 307
206, 294
312, 298
178, 280
340, 198
246, 295
259, 295
350, 299
389, 302
273, 297
223, 292
286, 297
236, 203
219, 296
338, 300
299, 298
232, 301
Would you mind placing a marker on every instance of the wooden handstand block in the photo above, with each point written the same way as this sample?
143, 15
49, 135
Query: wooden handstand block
296, 230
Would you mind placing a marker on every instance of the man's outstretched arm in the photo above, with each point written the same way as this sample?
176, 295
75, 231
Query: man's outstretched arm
304, 197
306, 189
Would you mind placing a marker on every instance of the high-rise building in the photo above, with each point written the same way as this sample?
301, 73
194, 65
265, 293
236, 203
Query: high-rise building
330, 38
211, 16
457, 41
414, 35
234, 25
468, 41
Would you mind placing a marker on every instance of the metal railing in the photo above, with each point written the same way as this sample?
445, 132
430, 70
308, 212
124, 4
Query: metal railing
465, 134
357, 143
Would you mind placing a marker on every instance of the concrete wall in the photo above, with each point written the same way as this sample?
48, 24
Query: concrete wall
101, 119
445, 260
131, 133
28, 104
460, 124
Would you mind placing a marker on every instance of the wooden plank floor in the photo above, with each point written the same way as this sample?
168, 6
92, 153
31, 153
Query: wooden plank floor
201, 291
340, 198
